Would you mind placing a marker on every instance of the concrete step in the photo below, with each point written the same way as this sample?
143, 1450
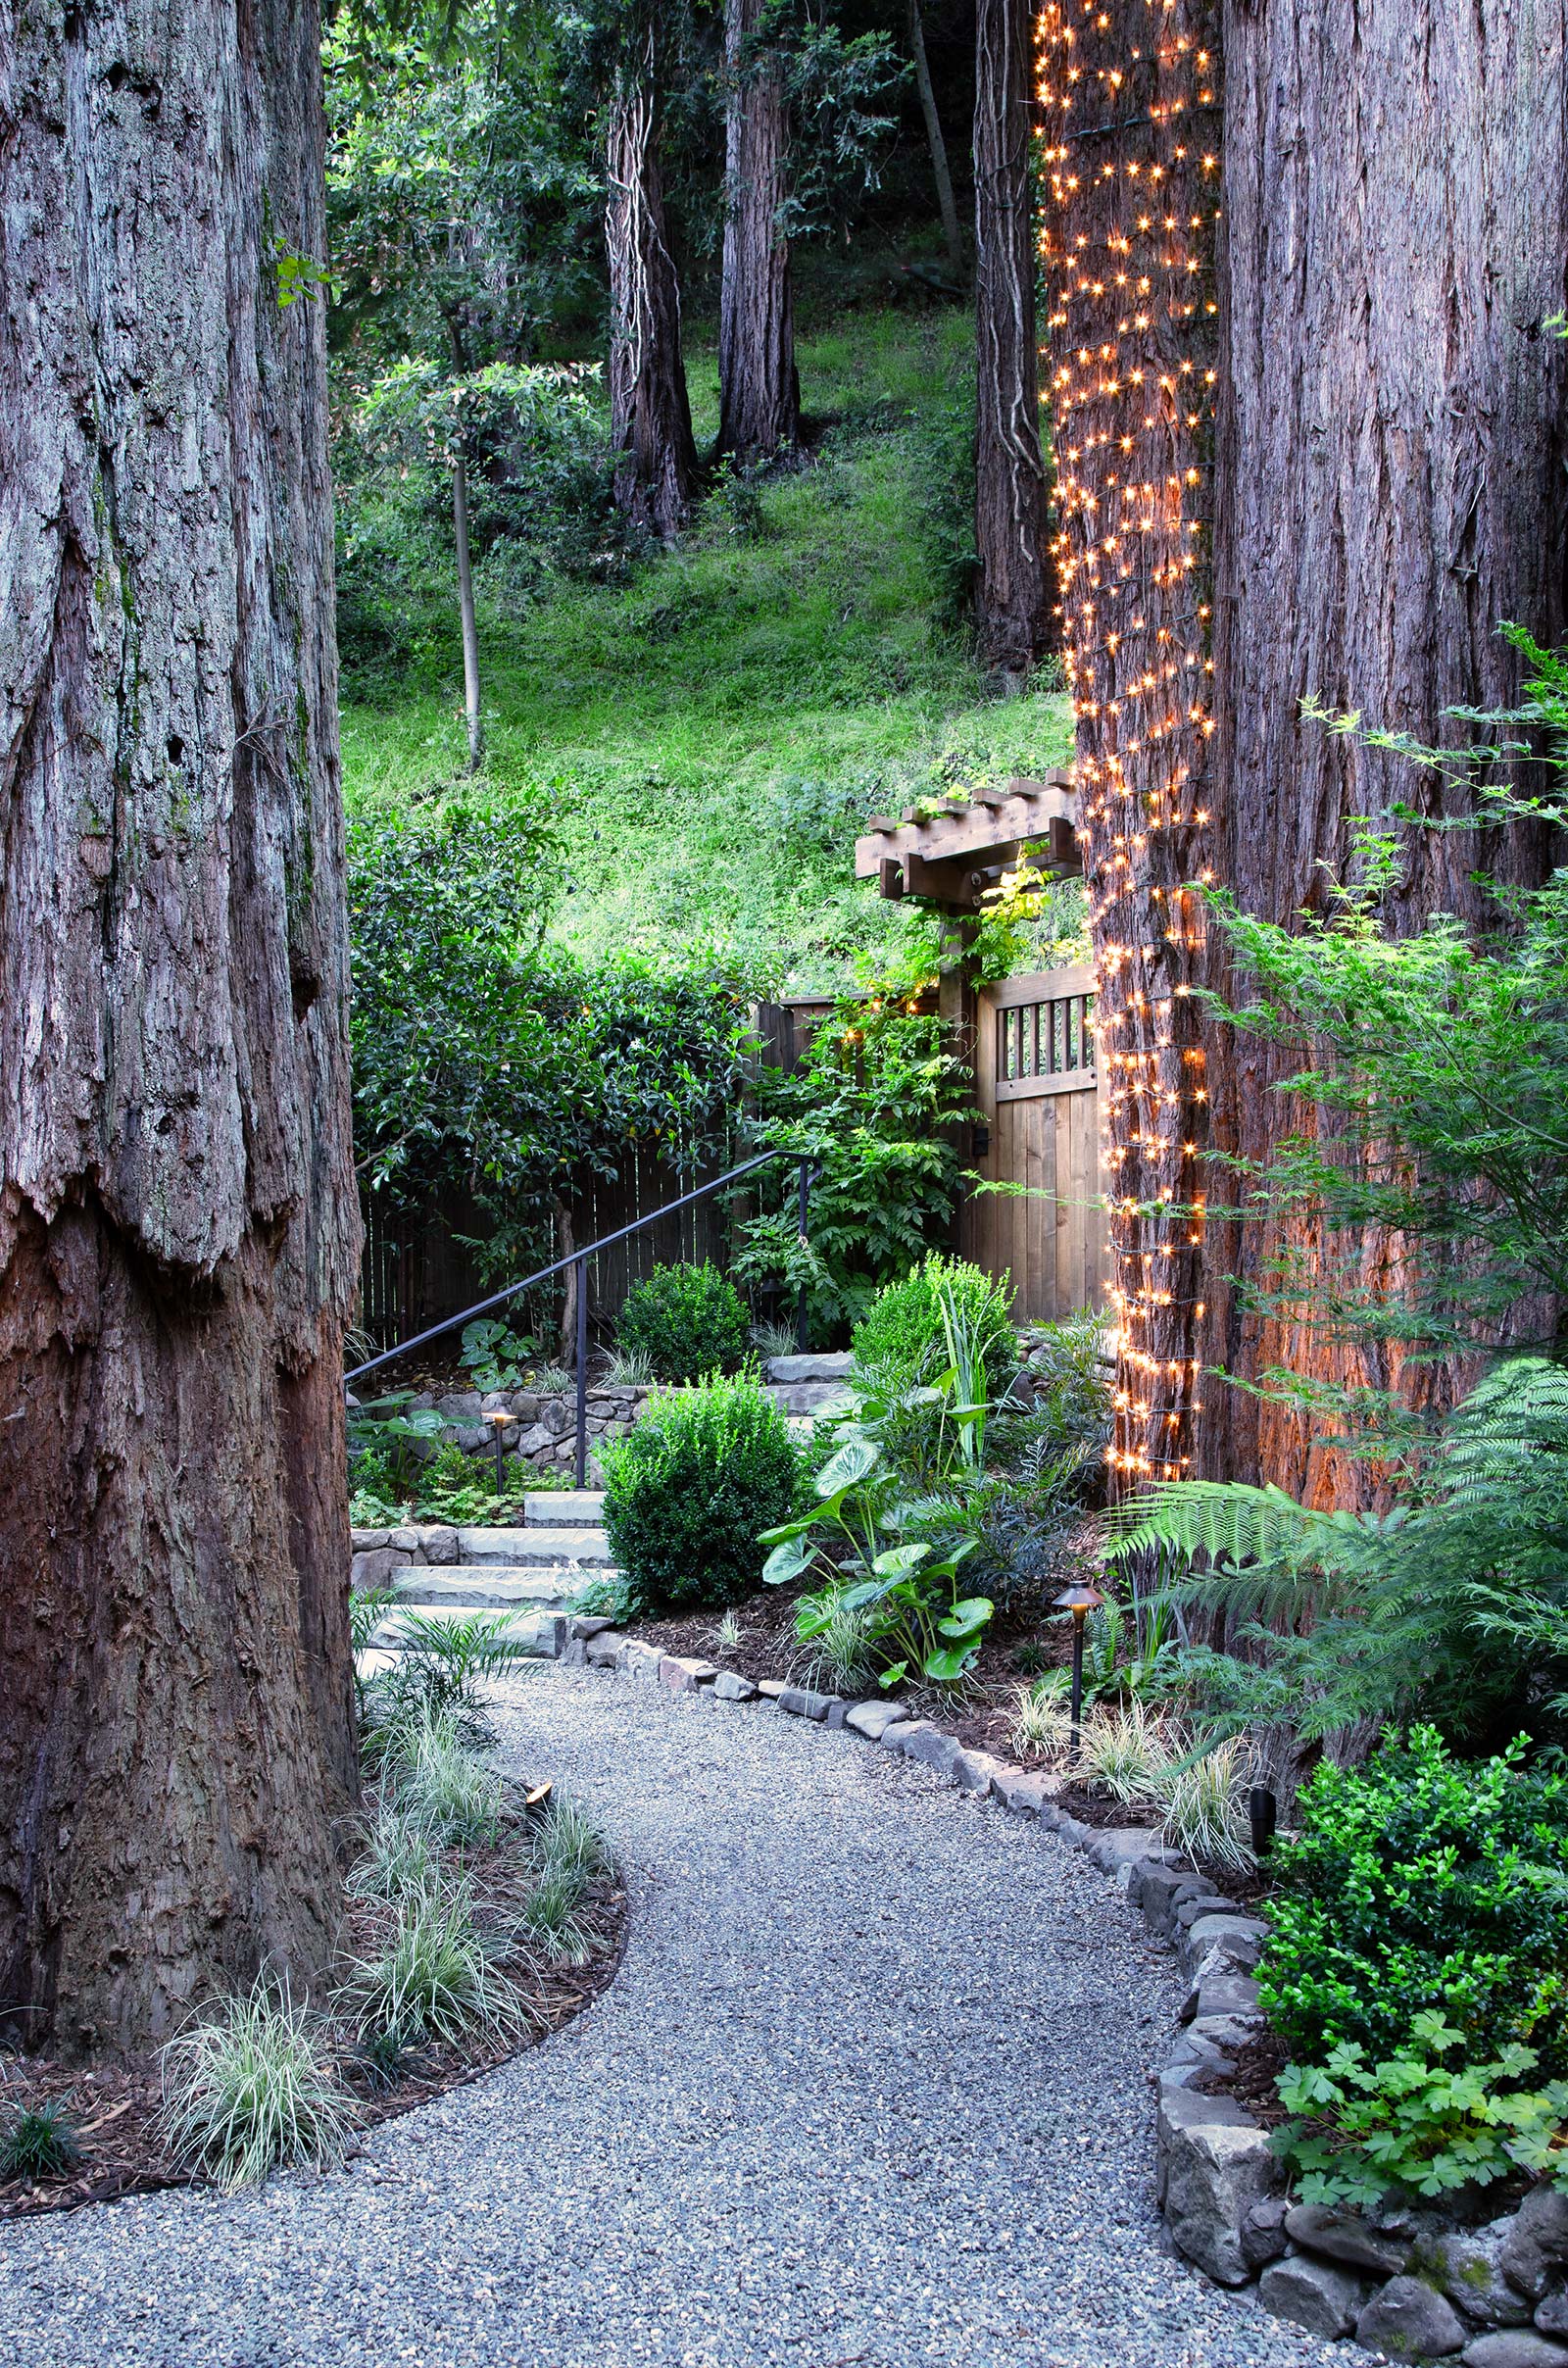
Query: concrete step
487, 1586
564, 1507
518, 1547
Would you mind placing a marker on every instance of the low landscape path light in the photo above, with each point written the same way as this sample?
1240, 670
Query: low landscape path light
1080, 1601
500, 1417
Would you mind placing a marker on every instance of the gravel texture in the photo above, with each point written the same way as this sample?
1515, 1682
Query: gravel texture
872, 2088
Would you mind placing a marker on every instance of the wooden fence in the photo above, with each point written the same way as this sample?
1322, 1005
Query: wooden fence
418, 1269
1037, 1091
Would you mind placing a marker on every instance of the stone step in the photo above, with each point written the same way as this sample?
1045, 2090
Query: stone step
540, 1634
559, 1543
564, 1507
829, 1365
488, 1586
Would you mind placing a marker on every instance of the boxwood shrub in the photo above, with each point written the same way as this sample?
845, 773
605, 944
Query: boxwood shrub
903, 1327
687, 1321
687, 1494
1419, 1881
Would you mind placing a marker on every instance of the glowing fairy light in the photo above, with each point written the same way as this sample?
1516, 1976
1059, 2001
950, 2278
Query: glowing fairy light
1128, 95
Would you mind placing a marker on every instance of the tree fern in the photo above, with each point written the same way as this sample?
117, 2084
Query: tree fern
1456, 1603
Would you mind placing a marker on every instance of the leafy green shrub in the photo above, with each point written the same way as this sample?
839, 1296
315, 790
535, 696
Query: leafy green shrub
249, 2090
1412, 2122
1421, 1885
39, 2142
903, 1331
686, 1321
690, 1491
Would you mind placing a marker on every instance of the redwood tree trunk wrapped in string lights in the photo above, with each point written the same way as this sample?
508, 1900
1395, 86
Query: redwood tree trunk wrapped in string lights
1130, 107
1323, 455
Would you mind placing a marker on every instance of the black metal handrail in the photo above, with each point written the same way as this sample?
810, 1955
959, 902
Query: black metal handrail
576, 1257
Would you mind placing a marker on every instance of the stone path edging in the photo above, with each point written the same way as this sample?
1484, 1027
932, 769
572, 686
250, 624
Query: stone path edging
1402, 2283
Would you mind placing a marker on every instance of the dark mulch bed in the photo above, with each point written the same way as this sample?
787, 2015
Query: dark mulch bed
1253, 2083
115, 2106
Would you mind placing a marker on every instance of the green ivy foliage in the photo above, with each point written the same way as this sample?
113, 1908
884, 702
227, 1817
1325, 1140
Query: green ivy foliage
868, 1105
1420, 1884
687, 1321
689, 1492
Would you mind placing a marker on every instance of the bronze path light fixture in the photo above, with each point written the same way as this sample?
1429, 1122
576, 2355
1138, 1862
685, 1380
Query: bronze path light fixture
500, 1416
1080, 1601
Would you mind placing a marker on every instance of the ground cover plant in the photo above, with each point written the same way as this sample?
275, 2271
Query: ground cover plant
1417, 1971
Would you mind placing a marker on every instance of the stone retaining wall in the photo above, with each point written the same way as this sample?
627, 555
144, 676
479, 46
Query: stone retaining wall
1408, 2282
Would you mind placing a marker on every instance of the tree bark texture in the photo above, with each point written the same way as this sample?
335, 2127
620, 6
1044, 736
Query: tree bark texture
1131, 128
651, 420
759, 388
179, 1234
939, 174
1013, 595
1392, 484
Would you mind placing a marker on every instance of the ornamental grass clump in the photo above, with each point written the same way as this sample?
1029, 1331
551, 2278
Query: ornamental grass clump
440, 1789
1200, 1803
438, 1974
39, 2142
250, 2088
1125, 1753
566, 1850
1040, 1725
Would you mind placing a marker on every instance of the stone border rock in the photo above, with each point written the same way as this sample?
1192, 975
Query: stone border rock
1407, 2284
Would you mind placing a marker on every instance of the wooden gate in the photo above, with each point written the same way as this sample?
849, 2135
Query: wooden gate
1036, 1091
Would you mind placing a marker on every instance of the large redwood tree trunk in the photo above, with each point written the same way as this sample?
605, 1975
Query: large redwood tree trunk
1391, 452
177, 1224
1013, 596
651, 420
759, 387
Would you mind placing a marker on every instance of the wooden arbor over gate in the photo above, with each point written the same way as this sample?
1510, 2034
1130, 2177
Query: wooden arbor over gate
1029, 1041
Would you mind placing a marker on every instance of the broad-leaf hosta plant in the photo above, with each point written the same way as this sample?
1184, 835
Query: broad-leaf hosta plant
851, 1546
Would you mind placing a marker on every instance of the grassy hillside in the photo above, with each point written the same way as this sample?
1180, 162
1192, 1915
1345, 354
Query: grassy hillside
712, 733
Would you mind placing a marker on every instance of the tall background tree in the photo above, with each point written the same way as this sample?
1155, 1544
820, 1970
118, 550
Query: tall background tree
177, 1226
1364, 376
651, 420
759, 385
1012, 538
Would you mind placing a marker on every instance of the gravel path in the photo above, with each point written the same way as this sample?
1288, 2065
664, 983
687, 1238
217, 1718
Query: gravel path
871, 2088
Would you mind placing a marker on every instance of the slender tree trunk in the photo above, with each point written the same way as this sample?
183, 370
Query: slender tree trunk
1013, 598
938, 147
565, 1243
651, 420
179, 1234
759, 388
466, 613
1396, 203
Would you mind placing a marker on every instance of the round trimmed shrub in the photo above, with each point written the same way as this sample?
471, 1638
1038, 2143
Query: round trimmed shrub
687, 1321
903, 1326
687, 1494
